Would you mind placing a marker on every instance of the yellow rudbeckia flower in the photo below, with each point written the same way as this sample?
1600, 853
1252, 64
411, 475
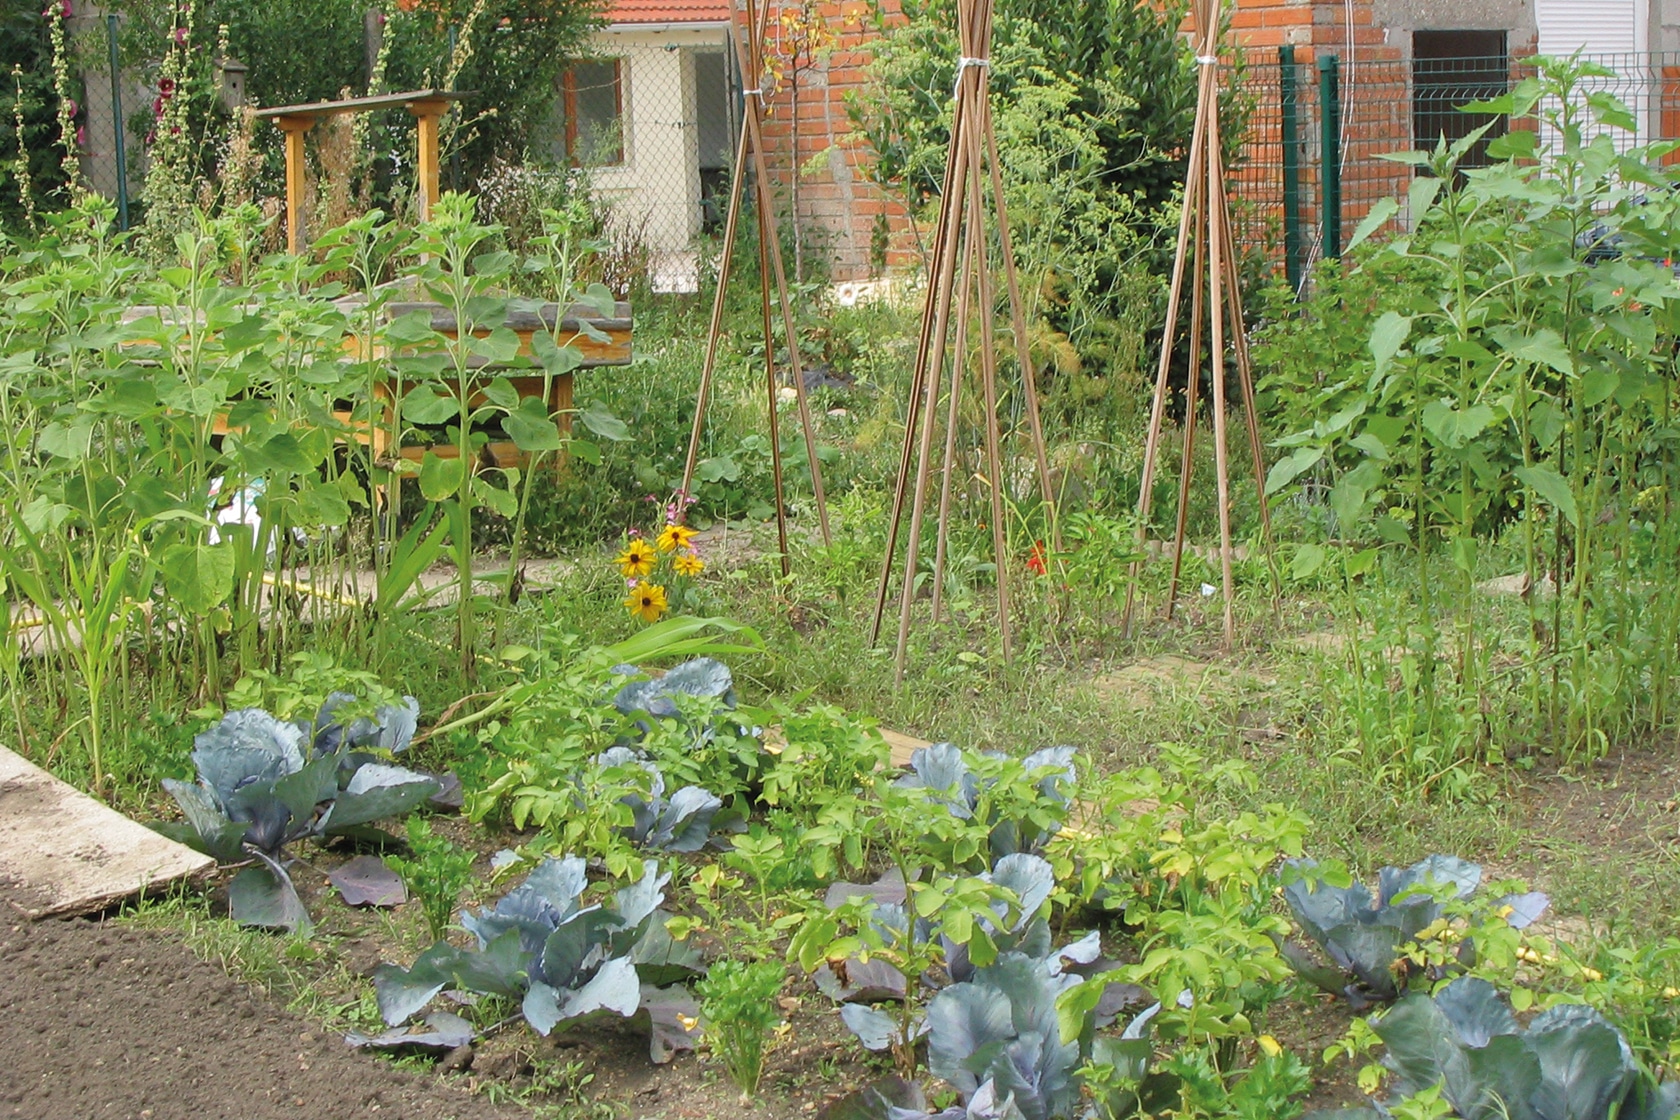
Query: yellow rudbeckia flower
637, 559
646, 601
688, 563
676, 538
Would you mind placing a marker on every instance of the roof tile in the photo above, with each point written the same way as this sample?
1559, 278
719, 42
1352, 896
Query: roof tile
669, 11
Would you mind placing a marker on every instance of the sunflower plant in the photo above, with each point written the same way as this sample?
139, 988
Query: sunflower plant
659, 571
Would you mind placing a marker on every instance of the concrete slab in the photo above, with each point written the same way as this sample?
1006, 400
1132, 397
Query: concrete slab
62, 852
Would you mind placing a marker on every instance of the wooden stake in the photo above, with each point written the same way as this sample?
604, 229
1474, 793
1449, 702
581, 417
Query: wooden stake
961, 235
750, 157
1206, 244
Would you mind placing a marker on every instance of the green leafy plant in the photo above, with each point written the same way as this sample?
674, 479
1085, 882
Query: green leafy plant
738, 1011
1481, 385
437, 871
541, 945
1365, 937
1569, 1061
264, 784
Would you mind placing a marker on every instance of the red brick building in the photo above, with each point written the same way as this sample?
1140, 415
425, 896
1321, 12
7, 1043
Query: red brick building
1404, 66
659, 111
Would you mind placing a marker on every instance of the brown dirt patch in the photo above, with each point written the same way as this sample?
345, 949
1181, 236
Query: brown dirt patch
98, 1020
1622, 811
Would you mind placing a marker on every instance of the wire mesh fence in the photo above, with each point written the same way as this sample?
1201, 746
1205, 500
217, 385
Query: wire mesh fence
654, 118
111, 155
1312, 160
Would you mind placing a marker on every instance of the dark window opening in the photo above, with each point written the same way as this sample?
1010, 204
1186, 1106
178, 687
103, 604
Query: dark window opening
592, 112
1451, 69
716, 135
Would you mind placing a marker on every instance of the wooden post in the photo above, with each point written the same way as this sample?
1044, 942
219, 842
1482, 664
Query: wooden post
750, 26
294, 128
427, 114
427, 107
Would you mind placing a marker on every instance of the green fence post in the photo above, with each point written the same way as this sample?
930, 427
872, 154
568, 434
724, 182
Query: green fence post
1290, 136
1330, 150
117, 125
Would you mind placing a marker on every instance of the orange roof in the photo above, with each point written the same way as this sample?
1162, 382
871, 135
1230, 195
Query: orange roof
669, 11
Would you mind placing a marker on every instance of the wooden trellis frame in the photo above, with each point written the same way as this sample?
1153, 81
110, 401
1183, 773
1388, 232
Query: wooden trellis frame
960, 235
751, 23
1206, 244
427, 106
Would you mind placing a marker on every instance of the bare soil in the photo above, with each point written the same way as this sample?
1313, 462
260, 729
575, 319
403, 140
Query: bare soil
100, 1020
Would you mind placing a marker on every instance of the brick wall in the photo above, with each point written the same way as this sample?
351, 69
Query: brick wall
839, 207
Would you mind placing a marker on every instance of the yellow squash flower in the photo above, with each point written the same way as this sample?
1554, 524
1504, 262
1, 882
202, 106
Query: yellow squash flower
688, 563
646, 601
637, 559
676, 538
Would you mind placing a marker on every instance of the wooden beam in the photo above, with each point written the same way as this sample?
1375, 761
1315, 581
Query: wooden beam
294, 128
316, 110
427, 114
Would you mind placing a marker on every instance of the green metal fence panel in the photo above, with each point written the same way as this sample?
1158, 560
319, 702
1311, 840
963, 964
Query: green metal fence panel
1295, 159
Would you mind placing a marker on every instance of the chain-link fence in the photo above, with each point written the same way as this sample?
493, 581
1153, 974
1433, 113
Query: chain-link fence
654, 116
1295, 206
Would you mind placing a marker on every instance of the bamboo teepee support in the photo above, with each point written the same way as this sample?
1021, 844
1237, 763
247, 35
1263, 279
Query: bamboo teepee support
749, 37
961, 242
1206, 255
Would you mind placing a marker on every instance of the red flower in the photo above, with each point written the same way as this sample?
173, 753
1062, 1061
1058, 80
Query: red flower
1037, 559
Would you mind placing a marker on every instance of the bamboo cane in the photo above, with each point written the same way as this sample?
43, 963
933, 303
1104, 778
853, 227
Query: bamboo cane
1207, 246
971, 175
752, 23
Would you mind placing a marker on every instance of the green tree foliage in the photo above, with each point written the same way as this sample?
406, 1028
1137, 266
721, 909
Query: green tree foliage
511, 54
1130, 77
297, 50
1093, 111
24, 45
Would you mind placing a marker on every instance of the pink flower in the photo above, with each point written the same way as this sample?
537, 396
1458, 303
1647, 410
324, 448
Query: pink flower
166, 87
181, 36
81, 136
